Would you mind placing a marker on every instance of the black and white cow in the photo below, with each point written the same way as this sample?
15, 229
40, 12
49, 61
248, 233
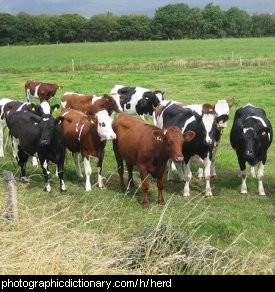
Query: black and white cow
221, 109
138, 100
32, 134
251, 136
204, 126
11, 107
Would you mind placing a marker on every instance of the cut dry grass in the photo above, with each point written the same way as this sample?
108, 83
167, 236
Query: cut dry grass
45, 241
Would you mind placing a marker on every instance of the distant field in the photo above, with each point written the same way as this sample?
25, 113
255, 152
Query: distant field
107, 232
50, 57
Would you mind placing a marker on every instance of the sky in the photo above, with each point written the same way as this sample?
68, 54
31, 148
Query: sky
92, 7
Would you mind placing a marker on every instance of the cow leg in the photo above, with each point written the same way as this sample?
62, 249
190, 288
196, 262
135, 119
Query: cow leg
243, 175
260, 178
60, 169
170, 175
160, 190
213, 166
88, 172
99, 171
200, 173
207, 167
44, 166
1, 140
77, 165
130, 175
34, 161
15, 144
252, 171
179, 168
22, 159
145, 185
120, 166
187, 178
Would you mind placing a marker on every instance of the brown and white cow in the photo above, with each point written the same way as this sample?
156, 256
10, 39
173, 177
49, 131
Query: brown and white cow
41, 90
87, 134
148, 147
89, 104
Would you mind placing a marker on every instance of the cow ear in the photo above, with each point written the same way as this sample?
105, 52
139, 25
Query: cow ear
158, 135
55, 107
231, 102
33, 106
59, 120
208, 108
263, 132
189, 136
92, 120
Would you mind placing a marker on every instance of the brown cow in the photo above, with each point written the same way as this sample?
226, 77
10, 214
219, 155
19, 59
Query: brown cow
87, 135
90, 104
148, 147
44, 91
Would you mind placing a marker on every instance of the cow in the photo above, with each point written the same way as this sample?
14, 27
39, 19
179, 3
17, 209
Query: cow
221, 109
87, 135
148, 147
90, 104
251, 136
32, 134
138, 100
13, 106
41, 90
3, 102
204, 126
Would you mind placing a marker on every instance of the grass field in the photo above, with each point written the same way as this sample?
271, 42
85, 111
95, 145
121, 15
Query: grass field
107, 232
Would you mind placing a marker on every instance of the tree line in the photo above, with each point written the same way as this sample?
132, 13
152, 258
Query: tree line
173, 21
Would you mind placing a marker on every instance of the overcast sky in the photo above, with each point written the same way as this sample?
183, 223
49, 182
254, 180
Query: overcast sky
92, 7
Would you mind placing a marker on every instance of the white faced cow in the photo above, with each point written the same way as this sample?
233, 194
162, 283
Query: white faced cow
251, 136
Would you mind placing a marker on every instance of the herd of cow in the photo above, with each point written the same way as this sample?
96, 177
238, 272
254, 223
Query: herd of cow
181, 132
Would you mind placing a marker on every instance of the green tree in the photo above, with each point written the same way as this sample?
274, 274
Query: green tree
238, 23
7, 29
24, 28
71, 28
263, 25
134, 27
213, 22
103, 27
173, 21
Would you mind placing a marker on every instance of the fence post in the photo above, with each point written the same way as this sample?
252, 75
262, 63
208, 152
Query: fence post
11, 195
73, 65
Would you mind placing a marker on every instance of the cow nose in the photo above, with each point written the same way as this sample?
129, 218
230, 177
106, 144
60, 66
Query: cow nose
179, 158
249, 154
209, 141
112, 137
44, 142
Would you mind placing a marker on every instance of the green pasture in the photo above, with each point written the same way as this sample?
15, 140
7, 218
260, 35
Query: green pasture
79, 232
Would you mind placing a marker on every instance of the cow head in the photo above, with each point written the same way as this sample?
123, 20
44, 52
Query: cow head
117, 99
110, 103
209, 123
104, 126
252, 137
172, 139
42, 109
47, 125
222, 108
152, 98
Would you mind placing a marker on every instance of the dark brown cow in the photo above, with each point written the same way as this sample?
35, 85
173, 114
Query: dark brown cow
87, 135
44, 91
148, 147
90, 104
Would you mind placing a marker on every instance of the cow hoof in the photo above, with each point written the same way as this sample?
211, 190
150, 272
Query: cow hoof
24, 180
102, 187
161, 202
145, 205
244, 193
262, 194
200, 177
209, 195
47, 189
186, 195
63, 191
214, 176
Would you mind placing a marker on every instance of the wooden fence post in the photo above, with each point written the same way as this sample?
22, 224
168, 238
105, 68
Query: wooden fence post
11, 195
